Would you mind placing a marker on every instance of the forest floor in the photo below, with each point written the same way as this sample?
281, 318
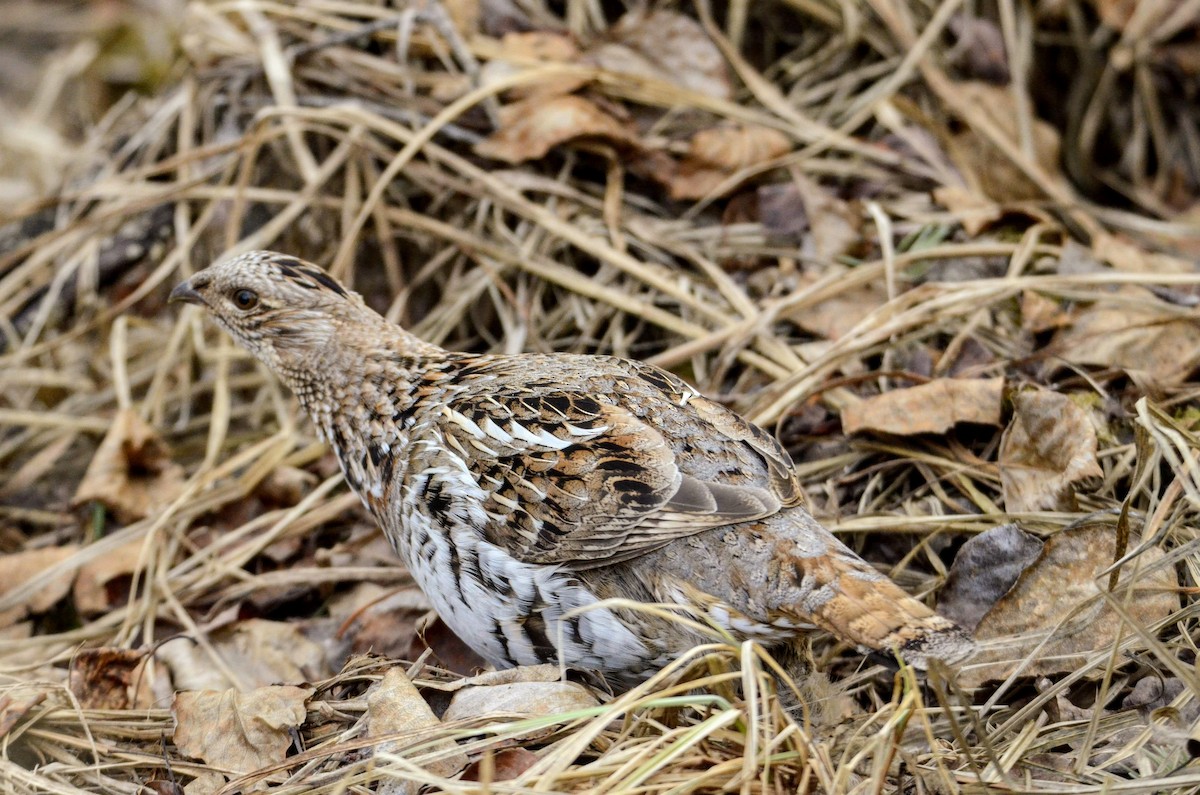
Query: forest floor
946, 252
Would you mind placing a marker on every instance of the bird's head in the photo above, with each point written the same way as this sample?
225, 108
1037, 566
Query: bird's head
283, 310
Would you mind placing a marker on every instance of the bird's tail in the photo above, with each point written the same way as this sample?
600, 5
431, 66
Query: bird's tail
845, 596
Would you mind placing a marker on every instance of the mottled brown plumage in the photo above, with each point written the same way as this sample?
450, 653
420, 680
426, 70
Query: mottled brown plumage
524, 490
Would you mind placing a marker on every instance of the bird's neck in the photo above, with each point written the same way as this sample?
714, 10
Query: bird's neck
363, 383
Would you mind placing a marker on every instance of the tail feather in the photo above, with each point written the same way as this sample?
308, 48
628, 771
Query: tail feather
854, 602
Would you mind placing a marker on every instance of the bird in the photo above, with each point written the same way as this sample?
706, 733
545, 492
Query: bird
563, 508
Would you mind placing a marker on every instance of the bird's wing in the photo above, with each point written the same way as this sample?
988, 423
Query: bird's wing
588, 479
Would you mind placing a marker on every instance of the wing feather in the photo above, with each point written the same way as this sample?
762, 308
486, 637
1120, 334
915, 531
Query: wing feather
586, 479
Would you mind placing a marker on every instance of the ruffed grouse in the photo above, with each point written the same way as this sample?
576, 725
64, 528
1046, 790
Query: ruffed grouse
521, 491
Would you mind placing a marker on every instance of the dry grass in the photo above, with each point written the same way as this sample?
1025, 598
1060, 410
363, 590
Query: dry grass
298, 127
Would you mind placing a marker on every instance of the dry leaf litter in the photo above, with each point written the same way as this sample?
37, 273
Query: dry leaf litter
946, 252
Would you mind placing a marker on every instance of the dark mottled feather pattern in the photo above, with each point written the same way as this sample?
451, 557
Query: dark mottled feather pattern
524, 490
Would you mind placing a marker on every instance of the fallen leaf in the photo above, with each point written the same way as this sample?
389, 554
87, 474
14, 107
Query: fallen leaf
835, 226
1062, 586
132, 473
1154, 692
518, 700
519, 51
502, 765
239, 732
379, 619
449, 650
666, 46
717, 153
985, 569
14, 707
546, 672
207, 782
982, 165
1039, 313
110, 678
975, 211
104, 582
529, 129
834, 317
1139, 334
1126, 256
162, 786
731, 147
935, 407
395, 707
17, 568
258, 651
1049, 446
190, 666
266, 652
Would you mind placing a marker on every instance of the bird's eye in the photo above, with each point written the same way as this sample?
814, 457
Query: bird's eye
245, 299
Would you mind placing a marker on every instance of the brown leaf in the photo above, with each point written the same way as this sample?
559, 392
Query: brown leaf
545, 672
206, 782
667, 46
935, 407
449, 650
1049, 446
19, 567
239, 732
975, 211
982, 165
110, 678
190, 666
258, 651
503, 765
841, 312
736, 146
162, 786
14, 707
835, 225
1139, 335
1062, 586
518, 700
715, 154
519, 51
984, 570
380, 619
531, 128
132, 473
1154, 692
1131, 258
104, 582
395, 707
270, 652
1039, 313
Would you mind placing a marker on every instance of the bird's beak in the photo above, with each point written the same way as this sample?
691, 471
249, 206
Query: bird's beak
186, 293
